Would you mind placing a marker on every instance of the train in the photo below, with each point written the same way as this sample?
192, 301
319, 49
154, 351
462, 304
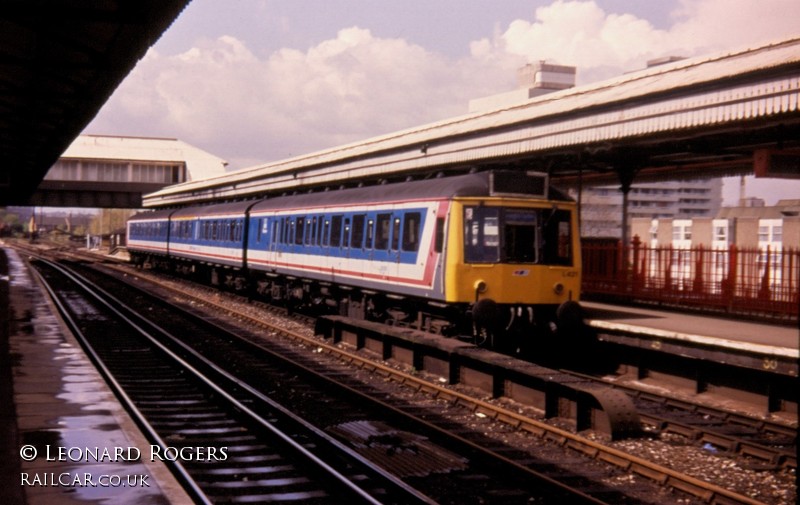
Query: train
493, 256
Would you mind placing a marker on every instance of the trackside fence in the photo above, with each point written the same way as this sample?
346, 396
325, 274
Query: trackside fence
756, 282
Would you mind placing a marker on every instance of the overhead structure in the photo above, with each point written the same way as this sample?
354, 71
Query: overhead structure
702, 117
60, 61
105, 171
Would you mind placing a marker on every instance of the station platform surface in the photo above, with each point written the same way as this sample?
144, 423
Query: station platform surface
726, 332
64, 438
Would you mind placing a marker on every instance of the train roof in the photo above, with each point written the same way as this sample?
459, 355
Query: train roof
470, 185
220, 209
445, 187
478, 184
152, 215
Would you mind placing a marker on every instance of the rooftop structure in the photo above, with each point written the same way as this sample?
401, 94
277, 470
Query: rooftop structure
533, 80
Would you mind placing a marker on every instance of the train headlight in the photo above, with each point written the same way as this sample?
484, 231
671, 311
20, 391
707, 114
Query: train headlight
558, 288
480, 287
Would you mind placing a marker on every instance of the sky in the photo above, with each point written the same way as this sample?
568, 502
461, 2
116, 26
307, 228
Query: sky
253, 81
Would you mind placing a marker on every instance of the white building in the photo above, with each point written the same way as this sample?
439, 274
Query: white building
114, 172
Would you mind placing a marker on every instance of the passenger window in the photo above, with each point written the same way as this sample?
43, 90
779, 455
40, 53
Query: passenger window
316, 239
346, 237
336, 231
286, 235
411, 231
300, 229
370, 234
396, 234
326, 228
382, 232
357, 237
311, 224
276, 226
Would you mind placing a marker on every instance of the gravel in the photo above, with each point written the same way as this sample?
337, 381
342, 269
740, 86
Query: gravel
728, 471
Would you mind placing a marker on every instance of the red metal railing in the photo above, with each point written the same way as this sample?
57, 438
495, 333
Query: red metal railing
736, 280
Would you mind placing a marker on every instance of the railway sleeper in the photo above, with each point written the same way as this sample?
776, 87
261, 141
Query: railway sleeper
585, 406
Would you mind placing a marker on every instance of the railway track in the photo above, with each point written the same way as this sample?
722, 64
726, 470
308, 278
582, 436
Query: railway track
222, 447
444, 469
775, 435
771, 443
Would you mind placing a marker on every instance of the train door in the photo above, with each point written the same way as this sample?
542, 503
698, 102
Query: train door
391, 228
383, 257
275, 228
346, 232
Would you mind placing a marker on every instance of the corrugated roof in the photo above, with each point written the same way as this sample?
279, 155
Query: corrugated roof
688, 94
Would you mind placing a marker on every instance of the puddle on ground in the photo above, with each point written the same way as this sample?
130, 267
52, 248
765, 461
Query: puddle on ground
84, 419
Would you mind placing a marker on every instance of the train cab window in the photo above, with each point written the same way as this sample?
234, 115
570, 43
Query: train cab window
481, 235
383, 231
411, 225
357, 235
557, 237
520, 240
517, 236
336, 231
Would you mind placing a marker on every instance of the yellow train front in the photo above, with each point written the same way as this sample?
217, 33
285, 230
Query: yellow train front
513, 261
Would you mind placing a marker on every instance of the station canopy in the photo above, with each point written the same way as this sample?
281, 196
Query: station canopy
60, 61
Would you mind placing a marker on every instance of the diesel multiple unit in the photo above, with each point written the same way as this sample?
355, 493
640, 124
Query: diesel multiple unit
484, 254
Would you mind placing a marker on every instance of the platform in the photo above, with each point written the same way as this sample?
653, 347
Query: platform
724, 332
65, 438
765, 347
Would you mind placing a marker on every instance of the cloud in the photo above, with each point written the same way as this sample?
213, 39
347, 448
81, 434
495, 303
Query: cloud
721, 24
223, 98
602, 44
250, 107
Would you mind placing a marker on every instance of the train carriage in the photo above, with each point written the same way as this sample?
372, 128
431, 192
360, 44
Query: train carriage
376, 238
488, 253
491, 248
209, 241
148, 234
213, 234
